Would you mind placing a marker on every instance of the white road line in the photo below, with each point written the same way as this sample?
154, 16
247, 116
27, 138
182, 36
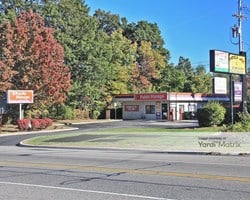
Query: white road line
87, 191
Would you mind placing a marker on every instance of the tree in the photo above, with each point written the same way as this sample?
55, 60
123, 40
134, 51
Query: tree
147, 69
33, 59
107, 22
201, 82
78, 34
75, 30
185, 66
10, 9
121, 59
172, 79
109, 65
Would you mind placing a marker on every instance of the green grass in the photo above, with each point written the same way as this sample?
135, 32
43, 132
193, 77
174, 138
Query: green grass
130, 137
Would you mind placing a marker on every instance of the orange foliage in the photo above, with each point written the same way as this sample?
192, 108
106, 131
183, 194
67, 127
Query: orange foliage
33, 59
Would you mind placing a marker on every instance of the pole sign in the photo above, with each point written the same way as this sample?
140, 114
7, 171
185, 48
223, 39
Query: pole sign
219, 61
225, 62
19, 96
220, 85
237, 91
237, 64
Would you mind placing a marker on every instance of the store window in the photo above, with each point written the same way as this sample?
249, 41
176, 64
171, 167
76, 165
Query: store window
150, 109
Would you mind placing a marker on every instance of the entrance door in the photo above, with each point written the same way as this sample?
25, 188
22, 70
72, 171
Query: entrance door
164, 108
181, 111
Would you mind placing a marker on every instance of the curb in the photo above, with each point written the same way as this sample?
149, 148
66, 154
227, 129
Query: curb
183, 152
37, 132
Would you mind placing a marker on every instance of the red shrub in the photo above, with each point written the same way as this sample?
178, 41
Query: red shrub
48, 121
41, 123
24, 124
35, 124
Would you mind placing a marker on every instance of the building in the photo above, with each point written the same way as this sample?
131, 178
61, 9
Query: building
164, 105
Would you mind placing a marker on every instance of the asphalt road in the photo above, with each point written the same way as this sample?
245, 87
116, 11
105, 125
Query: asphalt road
51, 174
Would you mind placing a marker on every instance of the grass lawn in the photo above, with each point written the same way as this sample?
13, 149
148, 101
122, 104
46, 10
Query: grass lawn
152, 138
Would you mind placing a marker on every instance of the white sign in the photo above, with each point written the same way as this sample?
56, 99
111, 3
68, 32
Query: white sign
220, 85
221, 61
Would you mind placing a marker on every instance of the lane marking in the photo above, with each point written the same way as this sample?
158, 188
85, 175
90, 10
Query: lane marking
124, 170
86, 191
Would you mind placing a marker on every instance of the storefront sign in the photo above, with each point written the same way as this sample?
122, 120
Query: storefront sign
131, 108
20, 96
151, 97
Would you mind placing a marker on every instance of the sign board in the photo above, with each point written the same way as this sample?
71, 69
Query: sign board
237, 91
220, 85
219, 61
237, 64
131, 108
19, 96
150, 97
225, 62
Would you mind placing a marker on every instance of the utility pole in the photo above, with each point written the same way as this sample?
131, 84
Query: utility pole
237, 32
238, 29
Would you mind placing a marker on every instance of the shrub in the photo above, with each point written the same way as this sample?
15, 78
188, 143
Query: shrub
242, 126
96, 114
41, 123
212, 114
48, 121
35, 124
24, 124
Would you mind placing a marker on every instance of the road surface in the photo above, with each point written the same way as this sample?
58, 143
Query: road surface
51, 174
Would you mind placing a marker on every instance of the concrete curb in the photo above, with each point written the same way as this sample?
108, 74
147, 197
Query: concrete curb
37, 132
183, 152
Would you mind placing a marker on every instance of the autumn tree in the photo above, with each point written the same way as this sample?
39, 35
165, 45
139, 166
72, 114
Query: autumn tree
120, 57
77, 32
147, 69
33, 59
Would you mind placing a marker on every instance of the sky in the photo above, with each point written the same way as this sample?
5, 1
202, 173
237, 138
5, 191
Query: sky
190, 28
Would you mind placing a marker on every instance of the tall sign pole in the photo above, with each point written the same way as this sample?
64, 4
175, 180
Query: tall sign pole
237, 32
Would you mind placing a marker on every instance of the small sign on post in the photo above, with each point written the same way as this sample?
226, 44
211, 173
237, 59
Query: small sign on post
20, 97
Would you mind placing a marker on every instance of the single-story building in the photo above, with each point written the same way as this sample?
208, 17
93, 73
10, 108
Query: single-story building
164, 105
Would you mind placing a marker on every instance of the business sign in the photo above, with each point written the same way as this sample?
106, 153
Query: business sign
224, 62
237, 64
220, 85
131, 108
237, 91
150, 97
19, 96
219, 61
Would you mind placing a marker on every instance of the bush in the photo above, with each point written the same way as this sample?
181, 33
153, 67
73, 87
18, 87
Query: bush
95, 114
242, 126
24, 124
212, 114
62, 112
41, 123
35, 124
